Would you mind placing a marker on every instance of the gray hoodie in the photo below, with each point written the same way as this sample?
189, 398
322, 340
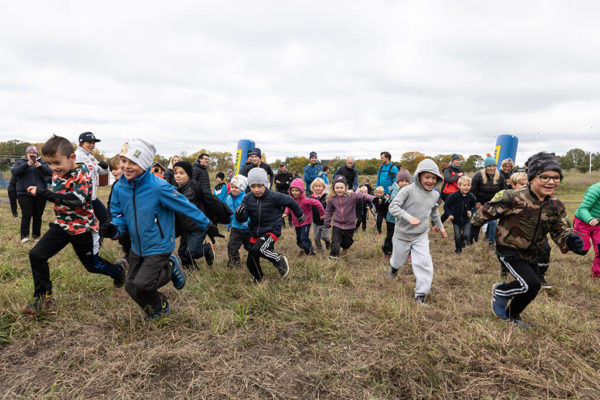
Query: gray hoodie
415, 201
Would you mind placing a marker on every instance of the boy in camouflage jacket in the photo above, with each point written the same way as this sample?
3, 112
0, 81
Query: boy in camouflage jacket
526, 216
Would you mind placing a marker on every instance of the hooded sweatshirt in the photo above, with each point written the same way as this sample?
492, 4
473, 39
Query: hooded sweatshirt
305, 204
414, 201
342, 209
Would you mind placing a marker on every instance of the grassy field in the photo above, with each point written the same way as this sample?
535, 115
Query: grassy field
328, 330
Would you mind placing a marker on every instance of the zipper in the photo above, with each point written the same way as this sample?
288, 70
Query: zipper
159, 227
259, 204
137, 231
342, 210
537, 226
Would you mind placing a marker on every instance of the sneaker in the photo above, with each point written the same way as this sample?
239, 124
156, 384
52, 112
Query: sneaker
35, 238
40, 304
492, 246
209, 254
344, 252
499, 304
327, 244
283, 267
518, 323
163, 311
458, 252
301, 253
333, 258
119, 281
25, 239
544, 283
177, 275
256, 281
420, 299
392, 272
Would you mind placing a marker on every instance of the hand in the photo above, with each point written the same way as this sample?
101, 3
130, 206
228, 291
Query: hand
103, 164
321, 217
302, 218
443, 233
594, 221
37, 164
212, 232
575, 244
414, 221
241, 210
30, 163
469, 213
32, 190
450, 218
109, 230
460, 174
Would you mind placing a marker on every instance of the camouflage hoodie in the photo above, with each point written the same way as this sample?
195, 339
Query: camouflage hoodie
524, 222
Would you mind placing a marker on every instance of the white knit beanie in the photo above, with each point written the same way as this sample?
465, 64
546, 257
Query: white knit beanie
139, 151
240, 182
258, 176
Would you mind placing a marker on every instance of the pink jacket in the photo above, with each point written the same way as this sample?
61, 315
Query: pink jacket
305, 204
342, 209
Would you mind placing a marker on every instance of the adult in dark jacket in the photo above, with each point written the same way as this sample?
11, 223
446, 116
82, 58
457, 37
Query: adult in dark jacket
283, 178
452, 174
12, 196
507, 167
31, 171
348, 172
485, 184
200, 173
254, 161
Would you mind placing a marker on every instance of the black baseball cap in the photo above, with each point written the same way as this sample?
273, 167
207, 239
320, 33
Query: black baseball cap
87, 137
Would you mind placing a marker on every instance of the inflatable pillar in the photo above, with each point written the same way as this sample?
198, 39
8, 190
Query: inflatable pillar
241, 154
506, 147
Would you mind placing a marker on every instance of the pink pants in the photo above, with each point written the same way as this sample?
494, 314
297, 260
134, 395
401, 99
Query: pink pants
587, 232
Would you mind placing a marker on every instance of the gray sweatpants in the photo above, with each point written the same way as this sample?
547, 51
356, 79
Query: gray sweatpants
421, 260
320, 232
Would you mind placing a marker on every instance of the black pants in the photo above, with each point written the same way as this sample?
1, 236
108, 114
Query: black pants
100, 211
12, 198
379, 222
237, 239
53, 241
263, 247
361, 220
445, 215
462, 235
523, 289
145, 276
303, 239
340, 237
31, 207
389, 234
543, 260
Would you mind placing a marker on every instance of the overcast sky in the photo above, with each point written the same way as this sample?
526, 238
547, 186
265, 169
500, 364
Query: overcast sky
338, 77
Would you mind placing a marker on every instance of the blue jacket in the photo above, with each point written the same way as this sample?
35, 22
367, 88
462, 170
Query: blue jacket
26, 176
221, 192
310, 173
234, 203
145, 207
264, 213
394, 189
386, 176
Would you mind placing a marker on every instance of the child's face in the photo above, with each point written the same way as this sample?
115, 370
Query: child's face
427, 180
379, 193
219, 180
116, 173
181, 177
235, 190
402, 183
257, 190
464, 187
130, 169
543, 189
295, 192
318, 189
339, 189
61, 164
520, 185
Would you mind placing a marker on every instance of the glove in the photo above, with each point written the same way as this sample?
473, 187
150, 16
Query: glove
103, 164
302, 218
241, 210
575, 244
212, 232
109, 231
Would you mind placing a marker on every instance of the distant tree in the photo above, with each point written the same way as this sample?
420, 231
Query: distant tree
371, 166
474, 163
13, 147
575, 158
221, 161
336, 163
411, 159
296, 163
164, 161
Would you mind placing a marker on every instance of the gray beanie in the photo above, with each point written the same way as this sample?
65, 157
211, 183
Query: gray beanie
403, 175
540, 162
258, 176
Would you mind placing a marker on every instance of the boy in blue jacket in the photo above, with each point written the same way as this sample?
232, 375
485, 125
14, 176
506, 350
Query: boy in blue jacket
144, 205
239, 234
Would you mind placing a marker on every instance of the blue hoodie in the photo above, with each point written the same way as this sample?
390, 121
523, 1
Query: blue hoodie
145, 207
234, 202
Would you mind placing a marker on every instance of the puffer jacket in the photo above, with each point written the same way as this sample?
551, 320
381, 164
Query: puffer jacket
306, 204
233, 202
341, 210
589, 208
485, 191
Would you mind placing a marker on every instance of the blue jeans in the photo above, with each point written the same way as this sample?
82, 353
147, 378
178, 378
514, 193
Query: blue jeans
192, 246
462, 235
303, 239
491, 231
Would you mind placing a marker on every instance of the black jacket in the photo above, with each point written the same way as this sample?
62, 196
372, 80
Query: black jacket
485, 191
169, 176
265, 212
184, 224
506, 176
457, 205
12, 194
248, 166
284, 178
200, 175
350, 174
26, 176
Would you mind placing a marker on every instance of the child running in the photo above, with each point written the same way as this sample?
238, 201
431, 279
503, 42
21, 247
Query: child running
413, 207
402, 180
526, 216
341, 213
261, 207
239, 234
587, 217
460, 206
303, 228
319, 192
381, 203
75, 223
362, 209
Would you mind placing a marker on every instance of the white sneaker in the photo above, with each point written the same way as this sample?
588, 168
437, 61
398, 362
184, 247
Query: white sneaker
25, 239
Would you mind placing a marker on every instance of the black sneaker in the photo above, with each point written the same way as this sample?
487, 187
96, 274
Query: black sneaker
283, 267
209, 254
457, 252
544, 283
40, 304
420, 299
119, 281
165, 309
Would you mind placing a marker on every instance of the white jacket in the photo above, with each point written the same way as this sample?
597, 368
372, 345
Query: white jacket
83, 157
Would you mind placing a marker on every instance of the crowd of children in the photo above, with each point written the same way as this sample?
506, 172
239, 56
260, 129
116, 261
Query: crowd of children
146, 214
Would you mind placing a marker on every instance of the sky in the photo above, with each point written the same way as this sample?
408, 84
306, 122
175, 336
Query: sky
338, 77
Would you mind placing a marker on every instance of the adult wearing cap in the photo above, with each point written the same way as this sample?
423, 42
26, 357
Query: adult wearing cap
452, 174
484, 185
348, 172
283, 179
83, 154
254, 161
386, 175
31, 171
311, 172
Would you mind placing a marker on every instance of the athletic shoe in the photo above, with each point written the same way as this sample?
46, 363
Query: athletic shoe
420, 299
458, 252
256, 281
35, 238
392, 272
518, 323
499, 304
492, 246
25, 239
209, 254
283, 267
177, 275
333, 258
119, 281
163, 311
544, 283
40, 304
301, 253
344, 252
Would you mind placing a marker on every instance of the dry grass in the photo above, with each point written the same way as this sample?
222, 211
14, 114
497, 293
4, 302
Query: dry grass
330, 330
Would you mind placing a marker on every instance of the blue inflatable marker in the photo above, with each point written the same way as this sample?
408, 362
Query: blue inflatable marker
506, 147
241, 154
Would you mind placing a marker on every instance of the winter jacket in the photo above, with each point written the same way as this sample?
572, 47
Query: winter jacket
169, 176
386, 176
184, 224
221, 191
310, 173
451, 178
524, 221
264, 213
341, 210
248, 166
589, 208
394, 189
306, 204
233, 202
505, 176
83, 157
485, 191
145, 207
200, 175
414, 201
350, 174
284, 178
316, 212
26, 175
12, 194
457, 206
325, 178
381, 204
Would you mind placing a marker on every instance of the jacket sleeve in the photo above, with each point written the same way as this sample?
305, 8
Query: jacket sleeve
363, 197
448, 203
271, 175
329, 210
396, 206
290, 203
317, 203
393, 172
591, 197
116, 210
45, 170
82, 190
19, 168
170, 198
561, 230
475, 184
493, 209
355, 184
435, 217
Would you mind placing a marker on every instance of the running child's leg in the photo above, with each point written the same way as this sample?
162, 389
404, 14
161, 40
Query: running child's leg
53, 241
422, 265
146, 275
523, 289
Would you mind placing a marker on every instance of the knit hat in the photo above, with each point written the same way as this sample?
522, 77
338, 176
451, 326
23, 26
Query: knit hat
340, 178
240, 181
32, 149
255, 152
220, 175
258, 176
489, 160
186, 166
139, 151
455, 157
312, 154
403, 175
542, 162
